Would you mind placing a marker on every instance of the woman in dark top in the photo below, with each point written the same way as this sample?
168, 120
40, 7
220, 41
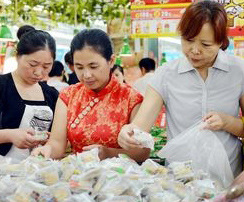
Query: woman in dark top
26, 103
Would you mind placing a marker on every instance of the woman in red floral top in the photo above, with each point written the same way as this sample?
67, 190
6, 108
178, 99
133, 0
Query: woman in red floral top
91, 113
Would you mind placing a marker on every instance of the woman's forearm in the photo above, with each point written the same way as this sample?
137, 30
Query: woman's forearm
57, 150
149, 110
139, 154
5, 136
234, 125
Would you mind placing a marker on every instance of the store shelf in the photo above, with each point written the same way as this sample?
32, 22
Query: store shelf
7, 39
153, 35
173, 5
238, 38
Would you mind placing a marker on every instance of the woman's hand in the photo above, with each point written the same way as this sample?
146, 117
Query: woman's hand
23, 138
103, 151
215, 121
43, 142
125, 139
44, 151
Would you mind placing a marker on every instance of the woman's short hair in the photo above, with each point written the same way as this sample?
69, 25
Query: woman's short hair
117, 67
197, 14
68, 58
57, 69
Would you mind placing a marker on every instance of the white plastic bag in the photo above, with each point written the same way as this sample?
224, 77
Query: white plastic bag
204, 149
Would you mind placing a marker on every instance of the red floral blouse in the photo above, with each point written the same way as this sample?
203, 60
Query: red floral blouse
96, 118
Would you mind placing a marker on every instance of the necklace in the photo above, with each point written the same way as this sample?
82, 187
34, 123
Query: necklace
84, 112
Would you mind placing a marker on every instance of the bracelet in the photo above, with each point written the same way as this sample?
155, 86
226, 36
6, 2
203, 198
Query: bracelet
242, 119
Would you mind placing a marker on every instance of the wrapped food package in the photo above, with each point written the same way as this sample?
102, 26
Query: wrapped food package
83, 177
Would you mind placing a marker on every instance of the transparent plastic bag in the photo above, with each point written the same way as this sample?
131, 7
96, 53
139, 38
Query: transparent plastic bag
204, 149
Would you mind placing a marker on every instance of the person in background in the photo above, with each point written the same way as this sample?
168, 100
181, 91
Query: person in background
91, 113
147, 67
72, 78
25, 102
206, 85
10, 64
118, 72
56, 76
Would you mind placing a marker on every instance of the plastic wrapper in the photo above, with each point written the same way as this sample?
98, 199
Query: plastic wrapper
4, 160
115, 179
135, 188
179, 189
152, 189
182, 171
12, 170
28, 192
60, 191
152, 167
67, 171
204, 188
7, 186
144, 138
205, 151
100, 183
33, 164
40, 135
48, 175
164, 196
78, 184
115, 186
91, 174
121, 199
84, 197
121, 165
89, 156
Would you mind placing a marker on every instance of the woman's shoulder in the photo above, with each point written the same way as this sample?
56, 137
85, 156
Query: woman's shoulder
71, 90
69, 93
5, 79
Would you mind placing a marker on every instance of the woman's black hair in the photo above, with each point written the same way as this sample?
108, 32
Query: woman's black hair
117, 67
68, 58
57, 69
36, 40
24, 29
95, 38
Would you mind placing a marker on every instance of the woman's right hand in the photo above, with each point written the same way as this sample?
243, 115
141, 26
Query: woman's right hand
44, 151
125, 139
23, 138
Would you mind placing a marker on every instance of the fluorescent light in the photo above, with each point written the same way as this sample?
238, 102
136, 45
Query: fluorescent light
61, 35
7, 2
171, 40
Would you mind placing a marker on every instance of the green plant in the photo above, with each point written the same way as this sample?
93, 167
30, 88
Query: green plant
66, 11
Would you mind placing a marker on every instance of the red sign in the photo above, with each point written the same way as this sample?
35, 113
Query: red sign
147, 2
157, 13
235, 14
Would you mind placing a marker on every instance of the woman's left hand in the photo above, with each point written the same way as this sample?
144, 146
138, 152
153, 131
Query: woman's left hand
215, 120
103, 151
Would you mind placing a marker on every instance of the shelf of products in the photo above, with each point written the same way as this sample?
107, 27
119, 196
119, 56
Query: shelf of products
156, 20
239, 46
